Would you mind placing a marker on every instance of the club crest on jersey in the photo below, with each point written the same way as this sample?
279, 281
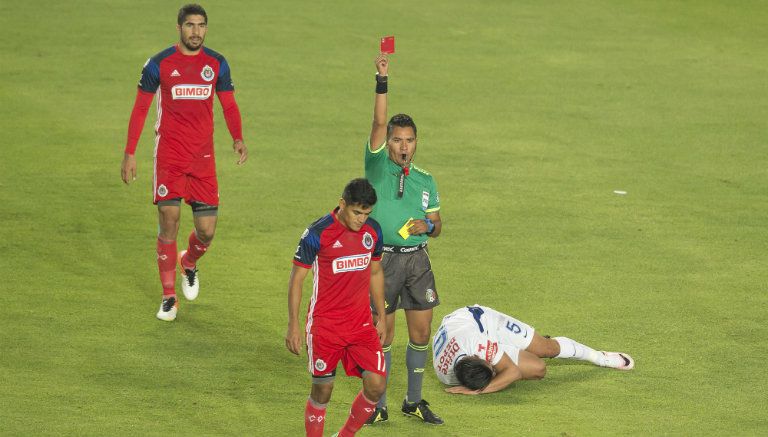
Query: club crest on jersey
162, 191
207, 73
424, 199
190, 92
367, 241
351, 263
320, 365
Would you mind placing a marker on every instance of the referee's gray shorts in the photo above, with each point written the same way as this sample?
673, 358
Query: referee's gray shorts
408, 279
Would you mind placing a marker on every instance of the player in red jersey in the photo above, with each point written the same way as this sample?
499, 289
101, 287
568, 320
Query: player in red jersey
184, 77
343, 249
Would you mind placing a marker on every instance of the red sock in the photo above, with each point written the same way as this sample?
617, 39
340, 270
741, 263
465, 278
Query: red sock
314, 418
361, 410
166, 263
195, 250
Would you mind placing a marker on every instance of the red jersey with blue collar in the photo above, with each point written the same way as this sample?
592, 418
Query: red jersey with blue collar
340, 261
185, 85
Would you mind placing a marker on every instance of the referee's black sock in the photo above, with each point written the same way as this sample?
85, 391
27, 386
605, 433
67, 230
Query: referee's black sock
387, 348
415, 359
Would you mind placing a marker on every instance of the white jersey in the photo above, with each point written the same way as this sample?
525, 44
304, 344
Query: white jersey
479, 331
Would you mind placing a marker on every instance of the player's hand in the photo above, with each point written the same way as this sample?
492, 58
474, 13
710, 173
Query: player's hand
239, 147
418, 227
381, 328
293, 338
460, 389
128, 168
382, 64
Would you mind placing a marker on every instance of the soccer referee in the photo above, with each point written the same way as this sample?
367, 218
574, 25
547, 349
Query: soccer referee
408, 211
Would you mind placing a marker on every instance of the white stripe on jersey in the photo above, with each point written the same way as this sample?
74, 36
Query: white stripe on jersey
154, 179
310, 312
159, 118
313, 300
310, 358
157, 142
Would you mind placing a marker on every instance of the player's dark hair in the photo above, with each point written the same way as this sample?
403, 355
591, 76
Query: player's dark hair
191, 9
473, 374
359, 192
400, 120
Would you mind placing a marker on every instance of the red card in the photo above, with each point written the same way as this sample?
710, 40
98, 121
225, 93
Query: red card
388, 44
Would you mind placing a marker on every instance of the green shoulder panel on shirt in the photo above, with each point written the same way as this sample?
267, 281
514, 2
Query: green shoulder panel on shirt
421, 170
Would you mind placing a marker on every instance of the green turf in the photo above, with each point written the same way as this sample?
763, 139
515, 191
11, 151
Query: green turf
530, 115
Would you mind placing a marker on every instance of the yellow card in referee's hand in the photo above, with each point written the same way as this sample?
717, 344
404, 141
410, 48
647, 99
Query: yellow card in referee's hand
404, 230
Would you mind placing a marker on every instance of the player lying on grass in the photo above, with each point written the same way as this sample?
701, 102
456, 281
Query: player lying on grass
480, 350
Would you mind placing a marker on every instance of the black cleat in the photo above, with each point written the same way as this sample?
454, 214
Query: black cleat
379, 415
421, 410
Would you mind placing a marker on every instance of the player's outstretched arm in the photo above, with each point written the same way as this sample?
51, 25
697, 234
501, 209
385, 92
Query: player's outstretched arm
506, 373
379, 126
293, 335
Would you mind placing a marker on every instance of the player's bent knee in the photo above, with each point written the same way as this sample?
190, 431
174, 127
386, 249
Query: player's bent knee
374, 385
321, 392
205, 236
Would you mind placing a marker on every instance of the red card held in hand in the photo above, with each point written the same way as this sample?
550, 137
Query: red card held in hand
388, 44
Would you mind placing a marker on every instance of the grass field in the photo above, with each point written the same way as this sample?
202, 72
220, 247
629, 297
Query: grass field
530, 115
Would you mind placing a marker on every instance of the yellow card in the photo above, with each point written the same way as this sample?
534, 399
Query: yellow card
404, 230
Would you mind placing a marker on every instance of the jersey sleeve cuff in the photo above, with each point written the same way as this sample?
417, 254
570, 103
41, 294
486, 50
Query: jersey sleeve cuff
379, 149
301, 264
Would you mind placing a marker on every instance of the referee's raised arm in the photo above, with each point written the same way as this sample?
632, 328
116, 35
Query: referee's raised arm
379, 125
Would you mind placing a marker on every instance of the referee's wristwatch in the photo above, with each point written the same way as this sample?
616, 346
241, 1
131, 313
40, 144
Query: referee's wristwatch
430, 226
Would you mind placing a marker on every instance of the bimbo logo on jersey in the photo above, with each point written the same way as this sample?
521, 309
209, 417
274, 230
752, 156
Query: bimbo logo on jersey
351, 263
191, 92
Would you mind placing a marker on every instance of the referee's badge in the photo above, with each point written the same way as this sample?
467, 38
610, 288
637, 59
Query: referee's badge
425, 199
430, 295
367, 241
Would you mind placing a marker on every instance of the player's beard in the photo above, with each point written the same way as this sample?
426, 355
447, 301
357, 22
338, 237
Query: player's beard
190, 44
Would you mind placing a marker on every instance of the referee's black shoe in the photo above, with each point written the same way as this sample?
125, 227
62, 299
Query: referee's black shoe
380, 414
421, 410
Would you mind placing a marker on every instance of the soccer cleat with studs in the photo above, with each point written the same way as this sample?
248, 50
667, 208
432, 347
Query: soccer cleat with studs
190, 279
421, 410
168, 309
380, 414
618, 360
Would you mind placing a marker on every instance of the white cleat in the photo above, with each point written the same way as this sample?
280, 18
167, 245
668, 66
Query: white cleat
618, 360
190, 280
168, 309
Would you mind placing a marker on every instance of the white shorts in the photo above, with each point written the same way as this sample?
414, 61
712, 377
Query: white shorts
510, 331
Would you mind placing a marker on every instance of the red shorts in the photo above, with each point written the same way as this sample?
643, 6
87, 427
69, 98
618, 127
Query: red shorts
360, 350
195, 181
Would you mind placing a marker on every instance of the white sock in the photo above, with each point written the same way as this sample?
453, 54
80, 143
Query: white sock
574, 350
